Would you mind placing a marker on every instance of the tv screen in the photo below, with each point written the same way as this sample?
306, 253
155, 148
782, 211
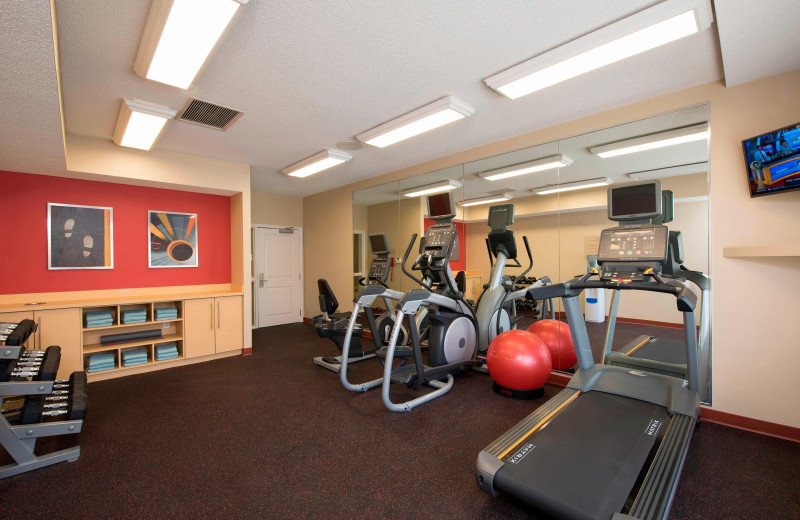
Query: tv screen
773, 161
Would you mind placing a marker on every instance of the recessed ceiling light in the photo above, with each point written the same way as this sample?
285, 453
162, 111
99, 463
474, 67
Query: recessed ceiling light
545, 163
438, 113
139, 123
316, 163
436, 187
178, 37
571, 186
645, 30
650, 142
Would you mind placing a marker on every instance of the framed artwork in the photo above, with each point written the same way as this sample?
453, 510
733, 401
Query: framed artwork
172, 239
79, 237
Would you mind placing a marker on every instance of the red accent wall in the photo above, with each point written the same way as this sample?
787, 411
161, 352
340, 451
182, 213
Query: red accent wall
23, 262
461, 231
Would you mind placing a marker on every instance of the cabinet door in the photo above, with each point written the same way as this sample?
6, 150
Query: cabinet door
61, 327
198, 327
16, 317
229, 323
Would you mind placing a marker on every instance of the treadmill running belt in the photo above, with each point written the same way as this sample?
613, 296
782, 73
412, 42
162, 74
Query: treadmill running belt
664, 350
584, 463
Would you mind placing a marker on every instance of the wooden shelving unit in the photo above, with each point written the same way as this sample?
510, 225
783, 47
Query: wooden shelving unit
761, 251
172, 332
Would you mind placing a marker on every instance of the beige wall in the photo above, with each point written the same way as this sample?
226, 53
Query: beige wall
755, 299
269, 209
101, 160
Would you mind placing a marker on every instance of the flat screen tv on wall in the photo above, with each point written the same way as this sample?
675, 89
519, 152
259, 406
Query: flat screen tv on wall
773, 161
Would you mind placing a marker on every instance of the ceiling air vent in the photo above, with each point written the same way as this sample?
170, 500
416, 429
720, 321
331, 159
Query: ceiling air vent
209, 115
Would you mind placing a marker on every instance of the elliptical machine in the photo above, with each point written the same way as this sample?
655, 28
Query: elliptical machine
453, 335
496, 306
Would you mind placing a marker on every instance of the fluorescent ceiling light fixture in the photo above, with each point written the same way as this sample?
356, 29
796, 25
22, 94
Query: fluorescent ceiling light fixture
672, 171
316, 163
545, 163
139, 124
178, 37
484, 200
645, 30
650, 142
437, 187
571, 186
438, 113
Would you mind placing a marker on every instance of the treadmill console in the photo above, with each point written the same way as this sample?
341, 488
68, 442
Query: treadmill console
641, 243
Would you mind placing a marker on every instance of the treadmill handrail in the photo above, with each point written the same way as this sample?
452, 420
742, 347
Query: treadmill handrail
686, 297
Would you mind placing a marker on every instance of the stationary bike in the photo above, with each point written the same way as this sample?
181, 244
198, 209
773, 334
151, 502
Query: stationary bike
334, 326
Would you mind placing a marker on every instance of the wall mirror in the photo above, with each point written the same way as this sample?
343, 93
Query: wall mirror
563, 227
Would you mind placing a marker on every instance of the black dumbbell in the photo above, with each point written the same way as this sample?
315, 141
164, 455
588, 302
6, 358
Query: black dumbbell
37, 406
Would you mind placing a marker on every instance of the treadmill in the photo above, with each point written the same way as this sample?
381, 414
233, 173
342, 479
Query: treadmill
651, 353
612, 444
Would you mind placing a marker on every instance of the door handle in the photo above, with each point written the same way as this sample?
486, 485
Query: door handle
218, 315
260, 280
212, 315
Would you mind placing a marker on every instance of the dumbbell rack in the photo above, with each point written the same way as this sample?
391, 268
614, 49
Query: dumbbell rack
32, 374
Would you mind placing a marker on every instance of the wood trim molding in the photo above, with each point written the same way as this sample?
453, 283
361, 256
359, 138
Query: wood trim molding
780, 431
247, 351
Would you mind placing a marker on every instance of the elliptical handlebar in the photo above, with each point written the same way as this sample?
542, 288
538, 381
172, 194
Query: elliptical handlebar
530, 259
405, 259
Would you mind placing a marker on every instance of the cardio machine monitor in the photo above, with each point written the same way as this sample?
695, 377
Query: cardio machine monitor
441, 206
639, 201
379, 244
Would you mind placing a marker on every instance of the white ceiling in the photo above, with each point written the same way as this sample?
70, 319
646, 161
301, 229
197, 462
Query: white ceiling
310, 74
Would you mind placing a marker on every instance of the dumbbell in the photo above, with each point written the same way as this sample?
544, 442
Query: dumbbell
75, 379
46, 370
34, 408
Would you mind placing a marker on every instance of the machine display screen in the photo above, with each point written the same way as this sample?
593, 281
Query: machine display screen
639, 200
379, 243
441, 206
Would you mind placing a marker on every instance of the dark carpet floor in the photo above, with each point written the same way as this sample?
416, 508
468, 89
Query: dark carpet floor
274, 436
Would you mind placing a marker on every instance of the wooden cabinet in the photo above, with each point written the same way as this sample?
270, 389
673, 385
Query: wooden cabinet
60, 327
199, 337
213, 325
189, 327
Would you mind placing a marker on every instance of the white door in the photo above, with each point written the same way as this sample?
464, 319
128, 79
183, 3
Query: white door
278, 284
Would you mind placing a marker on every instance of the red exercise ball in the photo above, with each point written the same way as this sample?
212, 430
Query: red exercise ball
558, 339
519, 364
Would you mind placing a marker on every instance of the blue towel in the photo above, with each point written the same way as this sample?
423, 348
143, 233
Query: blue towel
94, 325
134, 311
166, 346
166, 312
100, 368
130, 321
167, 357
106, 356
133, 363
125, 359
135, 353
99, 318
98, 314
103, 365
